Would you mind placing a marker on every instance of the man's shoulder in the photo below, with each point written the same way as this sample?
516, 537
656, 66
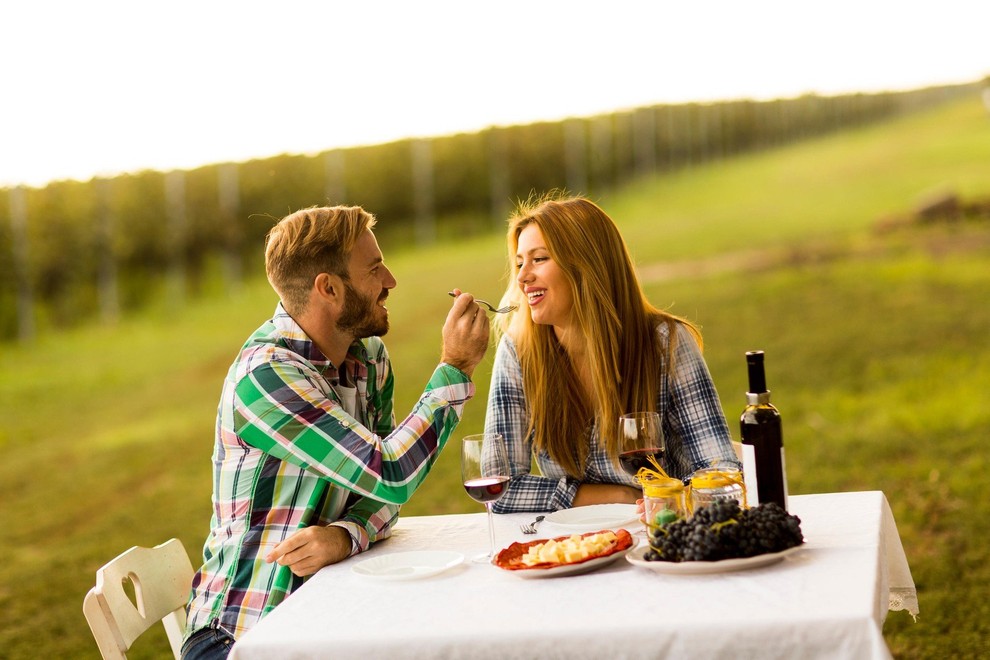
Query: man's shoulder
265, 348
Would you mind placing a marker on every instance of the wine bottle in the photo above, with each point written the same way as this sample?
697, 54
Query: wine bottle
764, 468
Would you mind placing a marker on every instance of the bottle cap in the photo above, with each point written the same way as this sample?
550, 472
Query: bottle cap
757, 377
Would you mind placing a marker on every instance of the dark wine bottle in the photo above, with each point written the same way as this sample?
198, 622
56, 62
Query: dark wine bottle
764, 468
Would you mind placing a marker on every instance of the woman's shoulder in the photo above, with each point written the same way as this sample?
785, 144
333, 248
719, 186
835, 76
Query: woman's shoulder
686, 338
505, 352
506, 343
663, 325
682, 328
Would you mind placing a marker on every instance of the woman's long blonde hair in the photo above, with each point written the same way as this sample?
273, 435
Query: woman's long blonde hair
614, 316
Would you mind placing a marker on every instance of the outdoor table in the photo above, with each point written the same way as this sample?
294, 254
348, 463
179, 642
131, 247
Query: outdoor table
827, 600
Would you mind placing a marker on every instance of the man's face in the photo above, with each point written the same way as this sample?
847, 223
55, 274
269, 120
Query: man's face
365, 314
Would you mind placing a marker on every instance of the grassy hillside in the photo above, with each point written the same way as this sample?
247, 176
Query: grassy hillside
876, 345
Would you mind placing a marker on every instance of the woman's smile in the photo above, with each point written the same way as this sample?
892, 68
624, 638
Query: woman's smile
534, 295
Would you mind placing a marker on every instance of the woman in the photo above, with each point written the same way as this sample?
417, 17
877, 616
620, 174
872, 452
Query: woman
585, 348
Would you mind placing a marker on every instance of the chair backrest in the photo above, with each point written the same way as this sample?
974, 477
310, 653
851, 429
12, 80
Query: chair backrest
738, 448
161, 579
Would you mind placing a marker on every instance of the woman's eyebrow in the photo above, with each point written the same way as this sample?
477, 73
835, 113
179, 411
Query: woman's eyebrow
531, 250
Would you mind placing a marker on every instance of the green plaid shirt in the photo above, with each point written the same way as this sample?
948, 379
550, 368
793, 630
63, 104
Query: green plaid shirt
288, 456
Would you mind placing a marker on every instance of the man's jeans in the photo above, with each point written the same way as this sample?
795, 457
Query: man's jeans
207, 644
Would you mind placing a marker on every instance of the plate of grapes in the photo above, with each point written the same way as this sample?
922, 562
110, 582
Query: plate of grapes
719, 538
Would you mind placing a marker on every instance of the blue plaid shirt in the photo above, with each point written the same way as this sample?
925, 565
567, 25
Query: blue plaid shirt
693, 424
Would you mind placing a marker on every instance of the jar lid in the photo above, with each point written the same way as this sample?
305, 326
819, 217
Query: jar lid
716, 478
661, 486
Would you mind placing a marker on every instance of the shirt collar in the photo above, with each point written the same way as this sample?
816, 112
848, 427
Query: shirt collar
299, 342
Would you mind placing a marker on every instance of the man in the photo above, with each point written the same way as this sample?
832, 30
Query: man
309, 467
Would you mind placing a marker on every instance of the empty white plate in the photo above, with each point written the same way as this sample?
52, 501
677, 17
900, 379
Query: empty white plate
595, 516
410, 565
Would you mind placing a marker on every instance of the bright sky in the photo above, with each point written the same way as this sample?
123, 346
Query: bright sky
106, 86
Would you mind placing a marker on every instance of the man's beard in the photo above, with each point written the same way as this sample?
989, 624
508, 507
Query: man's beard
359, 315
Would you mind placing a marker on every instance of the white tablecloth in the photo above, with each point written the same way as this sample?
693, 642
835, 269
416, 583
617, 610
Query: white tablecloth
828, 600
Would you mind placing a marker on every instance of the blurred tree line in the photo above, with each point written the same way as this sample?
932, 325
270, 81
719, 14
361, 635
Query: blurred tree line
76, 251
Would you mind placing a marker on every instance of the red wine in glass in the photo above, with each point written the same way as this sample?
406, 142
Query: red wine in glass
632, 461
486, 489
640, 437
485, 471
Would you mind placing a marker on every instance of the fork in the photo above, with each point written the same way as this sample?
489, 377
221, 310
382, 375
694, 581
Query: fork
531, 527
491, 308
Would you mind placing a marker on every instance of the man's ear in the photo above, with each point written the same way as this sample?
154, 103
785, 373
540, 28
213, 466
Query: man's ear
329, 288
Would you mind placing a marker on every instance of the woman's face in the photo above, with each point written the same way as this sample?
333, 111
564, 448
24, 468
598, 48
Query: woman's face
541, 279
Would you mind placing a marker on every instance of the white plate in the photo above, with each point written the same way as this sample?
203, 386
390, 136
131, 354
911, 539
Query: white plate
595, 516
700, 567
408, 565
570, 569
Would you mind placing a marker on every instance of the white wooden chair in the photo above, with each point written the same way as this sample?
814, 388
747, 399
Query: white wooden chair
737, 447
161, 579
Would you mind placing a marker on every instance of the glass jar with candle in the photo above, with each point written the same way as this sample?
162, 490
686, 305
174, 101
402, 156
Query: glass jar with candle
663, 503
713, 484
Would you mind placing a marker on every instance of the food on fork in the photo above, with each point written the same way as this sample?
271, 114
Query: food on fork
563, 550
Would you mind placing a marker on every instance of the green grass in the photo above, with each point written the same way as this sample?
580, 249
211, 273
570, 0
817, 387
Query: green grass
826, 189
877, 355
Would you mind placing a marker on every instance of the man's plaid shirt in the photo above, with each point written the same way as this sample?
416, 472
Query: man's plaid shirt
288, 456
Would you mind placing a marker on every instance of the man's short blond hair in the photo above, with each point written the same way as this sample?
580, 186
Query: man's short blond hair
308, 242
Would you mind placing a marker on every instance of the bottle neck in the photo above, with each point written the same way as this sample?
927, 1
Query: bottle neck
758, 398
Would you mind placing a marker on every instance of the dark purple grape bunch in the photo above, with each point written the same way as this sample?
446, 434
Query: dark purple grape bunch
723, 530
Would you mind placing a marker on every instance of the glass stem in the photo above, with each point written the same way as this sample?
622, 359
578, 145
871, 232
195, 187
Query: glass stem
491, 531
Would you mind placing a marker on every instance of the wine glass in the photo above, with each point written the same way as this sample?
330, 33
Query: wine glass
640, 437
485, 473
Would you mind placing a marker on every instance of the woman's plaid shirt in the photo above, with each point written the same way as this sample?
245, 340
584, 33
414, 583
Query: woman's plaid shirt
694, 429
